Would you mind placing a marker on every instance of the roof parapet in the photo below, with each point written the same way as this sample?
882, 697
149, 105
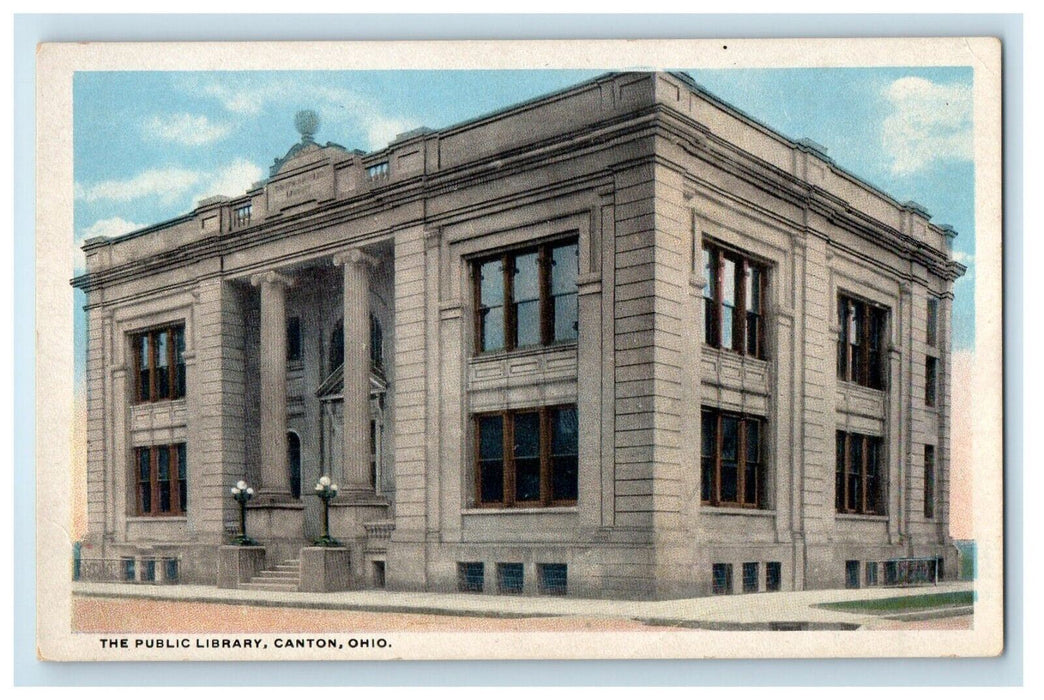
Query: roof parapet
911, 205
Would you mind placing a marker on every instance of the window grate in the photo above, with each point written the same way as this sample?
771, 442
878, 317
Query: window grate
553, 579
470, 576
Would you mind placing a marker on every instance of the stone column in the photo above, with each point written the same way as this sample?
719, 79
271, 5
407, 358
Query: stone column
275, 477
356, 433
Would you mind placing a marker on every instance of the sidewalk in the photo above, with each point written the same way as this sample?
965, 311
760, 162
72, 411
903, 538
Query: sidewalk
755, 610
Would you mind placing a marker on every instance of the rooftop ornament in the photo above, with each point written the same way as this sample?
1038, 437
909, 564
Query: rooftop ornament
306, 122
243, 493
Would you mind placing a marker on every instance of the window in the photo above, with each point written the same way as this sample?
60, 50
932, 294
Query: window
376, 343
470, 576
293, 339
773, 576
162, 472
721, 579
336, 355
871, 573
931, 365
378, 574
859, 483
128, 569
733, 302
170, 573
293, 462
527, 298
527, 458
750, 577
932, 337
852, 573
159, 364
148, 570
510, 578
553, 579
929, 481
861, 342
732, 469
241, 216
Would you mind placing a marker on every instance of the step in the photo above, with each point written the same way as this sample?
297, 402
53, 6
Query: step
269, 587
283, 575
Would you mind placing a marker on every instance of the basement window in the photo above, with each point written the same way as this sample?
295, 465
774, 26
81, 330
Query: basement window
553, 579
721, 579
470, 576
510, 578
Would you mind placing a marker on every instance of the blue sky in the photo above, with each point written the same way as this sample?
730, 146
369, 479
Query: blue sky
148, 145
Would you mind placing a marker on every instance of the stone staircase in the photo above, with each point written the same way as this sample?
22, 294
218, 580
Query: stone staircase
283, 577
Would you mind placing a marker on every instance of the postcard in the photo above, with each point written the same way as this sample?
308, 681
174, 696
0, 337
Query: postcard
519, 350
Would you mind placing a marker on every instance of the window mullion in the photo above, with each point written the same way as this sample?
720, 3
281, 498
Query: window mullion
716, 491
152, 366
154, 479
545, 456
741, 462
546, 301
510, 312
509, 458
740, 324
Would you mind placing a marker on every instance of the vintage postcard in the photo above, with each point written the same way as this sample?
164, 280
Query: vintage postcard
498, 350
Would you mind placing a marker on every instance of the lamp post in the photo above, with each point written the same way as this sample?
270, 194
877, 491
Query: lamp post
243, 493
326, 490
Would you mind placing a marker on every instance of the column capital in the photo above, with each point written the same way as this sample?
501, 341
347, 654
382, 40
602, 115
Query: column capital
271, 277
354, 256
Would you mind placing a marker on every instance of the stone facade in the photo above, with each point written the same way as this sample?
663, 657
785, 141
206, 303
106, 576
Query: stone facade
647, 174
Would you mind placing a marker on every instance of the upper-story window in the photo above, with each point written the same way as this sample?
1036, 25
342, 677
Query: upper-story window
159, 364
861, 342
526, 297
376, 343
932, 333
241, 216
733, 301
293, 339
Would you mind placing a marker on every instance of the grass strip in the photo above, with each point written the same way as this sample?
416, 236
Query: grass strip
926, 601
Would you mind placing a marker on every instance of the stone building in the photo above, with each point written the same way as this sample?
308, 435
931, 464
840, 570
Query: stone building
621, 340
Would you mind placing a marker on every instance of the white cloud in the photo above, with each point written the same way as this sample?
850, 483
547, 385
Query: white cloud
929, 122
340, 109
166, 183
232, 180
111, 227
185, 129
172, 185
963, 258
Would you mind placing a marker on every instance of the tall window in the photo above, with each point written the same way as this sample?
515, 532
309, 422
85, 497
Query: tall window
929, 481
527, 298
293, 339
861, 342
527, 458
162, 479
376, 343
859, 482
733, 301
732, 471
932, 336
931, 366
293, 462
159, 364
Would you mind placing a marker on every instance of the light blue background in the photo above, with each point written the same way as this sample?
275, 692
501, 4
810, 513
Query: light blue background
30, 30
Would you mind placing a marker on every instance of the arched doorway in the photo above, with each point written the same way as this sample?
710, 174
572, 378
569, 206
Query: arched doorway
293, 462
